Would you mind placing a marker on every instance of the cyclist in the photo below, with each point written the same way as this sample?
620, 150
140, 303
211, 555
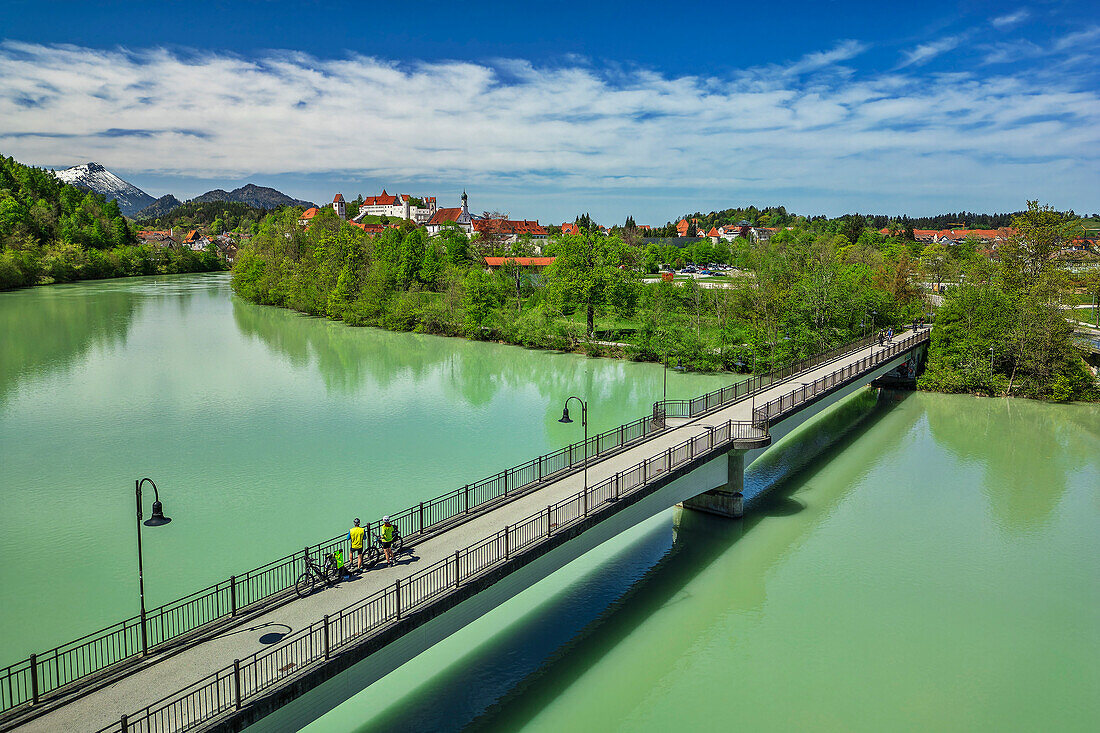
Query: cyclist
356, 535
387, 539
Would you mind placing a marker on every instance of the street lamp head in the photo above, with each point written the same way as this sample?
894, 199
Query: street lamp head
565, 415
157, 518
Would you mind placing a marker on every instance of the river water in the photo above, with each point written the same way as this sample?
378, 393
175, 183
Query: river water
263, 429
909, 562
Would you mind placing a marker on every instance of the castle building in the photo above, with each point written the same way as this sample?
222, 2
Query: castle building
398, 206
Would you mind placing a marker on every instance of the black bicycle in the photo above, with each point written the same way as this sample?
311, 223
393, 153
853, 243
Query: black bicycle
313, 573
373, 552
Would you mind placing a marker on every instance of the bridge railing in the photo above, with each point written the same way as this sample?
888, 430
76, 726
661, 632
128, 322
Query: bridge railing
29, 680
234, 685
756, 383
763, 414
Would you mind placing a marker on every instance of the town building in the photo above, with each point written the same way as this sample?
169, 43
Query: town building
398, 206
308, 215
507, 231
339, 205
534, 264
570, 228
195, 240
460, 217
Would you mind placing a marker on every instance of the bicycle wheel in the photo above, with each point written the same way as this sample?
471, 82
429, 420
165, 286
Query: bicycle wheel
332, 573
305, 584
371, 555
398, 541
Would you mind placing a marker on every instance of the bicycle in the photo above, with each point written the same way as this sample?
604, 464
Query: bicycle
374, 551
307, 581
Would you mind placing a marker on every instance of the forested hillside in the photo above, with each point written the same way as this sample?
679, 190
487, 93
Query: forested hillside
54, 232
215, 216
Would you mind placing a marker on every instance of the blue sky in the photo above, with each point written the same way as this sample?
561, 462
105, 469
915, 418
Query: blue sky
550, 109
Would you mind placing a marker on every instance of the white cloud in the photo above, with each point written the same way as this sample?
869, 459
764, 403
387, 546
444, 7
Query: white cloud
578, 131
928, 51
1010, 19
818, 60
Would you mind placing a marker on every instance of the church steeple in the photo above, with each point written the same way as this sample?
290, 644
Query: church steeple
465, 209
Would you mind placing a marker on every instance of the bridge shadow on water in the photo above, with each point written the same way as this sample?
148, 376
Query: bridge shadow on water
504, 682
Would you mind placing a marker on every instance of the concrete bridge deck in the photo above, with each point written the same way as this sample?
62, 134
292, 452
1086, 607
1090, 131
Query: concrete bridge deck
153, 683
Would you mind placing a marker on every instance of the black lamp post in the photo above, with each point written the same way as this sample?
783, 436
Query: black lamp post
584, 424
664, 382
871, 346
156, 519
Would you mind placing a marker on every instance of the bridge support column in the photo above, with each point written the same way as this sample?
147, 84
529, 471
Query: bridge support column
725, 501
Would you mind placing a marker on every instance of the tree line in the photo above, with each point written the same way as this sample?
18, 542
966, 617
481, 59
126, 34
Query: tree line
53, 232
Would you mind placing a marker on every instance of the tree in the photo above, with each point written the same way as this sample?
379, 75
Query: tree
588, 272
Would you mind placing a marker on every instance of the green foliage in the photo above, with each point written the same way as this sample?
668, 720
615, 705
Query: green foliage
233, 216
1002, 331
53, 232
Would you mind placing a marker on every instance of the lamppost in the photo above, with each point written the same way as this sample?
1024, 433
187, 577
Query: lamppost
155, 519
664, 382
871, 345
990, 363
584, 424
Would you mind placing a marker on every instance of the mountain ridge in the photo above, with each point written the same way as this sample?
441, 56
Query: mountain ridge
94, 177
262, 197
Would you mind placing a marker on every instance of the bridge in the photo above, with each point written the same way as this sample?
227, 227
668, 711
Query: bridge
248, 652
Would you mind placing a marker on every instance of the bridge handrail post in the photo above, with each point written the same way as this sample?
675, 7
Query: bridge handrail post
539, 461
232, 595
616, 485
123, 724
456, 568
506, 543
34, 679
547, 521
622, 435
505, 474
584, 494
324, 621
397, 596
421, 516
237, 684
466, 500
669, 460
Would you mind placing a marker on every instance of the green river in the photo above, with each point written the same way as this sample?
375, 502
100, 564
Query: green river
915, 562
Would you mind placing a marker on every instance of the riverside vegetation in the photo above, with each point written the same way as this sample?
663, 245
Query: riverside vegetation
53, 232
808, 288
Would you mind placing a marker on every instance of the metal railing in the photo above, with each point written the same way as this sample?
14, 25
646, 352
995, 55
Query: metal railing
236, 684
28, 680
767, 412
756, 383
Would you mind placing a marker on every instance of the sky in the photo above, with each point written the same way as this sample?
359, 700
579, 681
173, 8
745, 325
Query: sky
547, 110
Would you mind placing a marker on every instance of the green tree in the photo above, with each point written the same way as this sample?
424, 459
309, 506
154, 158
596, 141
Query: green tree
590, 272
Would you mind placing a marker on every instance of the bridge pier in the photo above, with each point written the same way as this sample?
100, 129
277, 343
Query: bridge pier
725, 501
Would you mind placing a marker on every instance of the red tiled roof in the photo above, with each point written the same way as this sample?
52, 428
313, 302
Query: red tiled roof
713, 232
382, 199
309, 213
507, 226
191, 236
522, 261
442, 216
570, 228
339, 199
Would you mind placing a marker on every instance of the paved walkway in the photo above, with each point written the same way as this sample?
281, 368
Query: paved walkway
128, 695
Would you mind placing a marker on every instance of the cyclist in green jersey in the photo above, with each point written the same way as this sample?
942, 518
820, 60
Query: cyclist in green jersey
356, 535
387, 539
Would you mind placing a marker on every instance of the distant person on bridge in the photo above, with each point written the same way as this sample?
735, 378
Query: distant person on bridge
387, 539
890, 334
356, 535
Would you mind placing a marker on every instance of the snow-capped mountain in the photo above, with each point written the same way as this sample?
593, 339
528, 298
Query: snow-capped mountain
95, 177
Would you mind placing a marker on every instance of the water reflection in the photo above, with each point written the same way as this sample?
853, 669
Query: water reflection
520, 671
45, 332
352, 360
1018, 445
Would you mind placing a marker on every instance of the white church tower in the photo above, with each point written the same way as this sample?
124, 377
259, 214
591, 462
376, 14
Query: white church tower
338, 205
